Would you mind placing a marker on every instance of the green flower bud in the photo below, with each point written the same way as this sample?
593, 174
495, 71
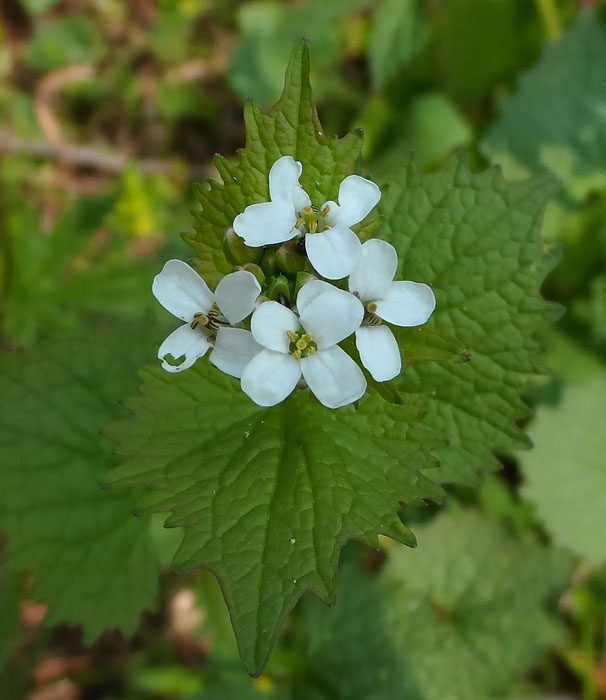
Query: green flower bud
303, 278
269, 264
256, 271
237, 251
280, 290
289, 259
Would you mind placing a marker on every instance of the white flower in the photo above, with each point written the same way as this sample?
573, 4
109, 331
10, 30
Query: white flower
181, 290
306, 345
332, 247
400, 303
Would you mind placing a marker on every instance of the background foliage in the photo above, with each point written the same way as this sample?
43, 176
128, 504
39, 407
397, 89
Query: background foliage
109, 112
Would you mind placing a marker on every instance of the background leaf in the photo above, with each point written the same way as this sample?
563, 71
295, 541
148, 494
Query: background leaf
556, 120
269, 32
565, 473
92, 562
462, 616
399, 32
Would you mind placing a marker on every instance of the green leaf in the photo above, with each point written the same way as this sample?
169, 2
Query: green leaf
433, 129
426, 344
565, 473
267, 497
399, 32
462, 616
92, 562
244, 690
51, 279
556, 119
270, 30
481, 42
59, 43
38, 6
290, 128
436, 128
12, 585
476, 239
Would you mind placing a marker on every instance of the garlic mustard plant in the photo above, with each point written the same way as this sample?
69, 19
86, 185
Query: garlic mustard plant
332, 247
400, 303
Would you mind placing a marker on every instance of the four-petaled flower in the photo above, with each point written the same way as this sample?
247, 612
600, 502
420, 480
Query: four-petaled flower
181, 290
306, 346
331, 246
400, 303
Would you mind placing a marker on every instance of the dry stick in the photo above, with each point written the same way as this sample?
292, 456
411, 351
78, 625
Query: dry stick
47, 91
57, 149
89, 157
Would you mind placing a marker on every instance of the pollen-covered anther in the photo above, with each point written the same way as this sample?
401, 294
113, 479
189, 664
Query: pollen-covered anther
301, 344
370, 315
200, 320
210, 321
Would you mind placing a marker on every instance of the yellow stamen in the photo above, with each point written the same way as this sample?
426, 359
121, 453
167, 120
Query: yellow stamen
325, 211
372, 307
313, 226
291, 336
307, 338
297, 354
310, 350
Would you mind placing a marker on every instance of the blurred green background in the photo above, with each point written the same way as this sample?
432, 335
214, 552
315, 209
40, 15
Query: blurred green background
109, 111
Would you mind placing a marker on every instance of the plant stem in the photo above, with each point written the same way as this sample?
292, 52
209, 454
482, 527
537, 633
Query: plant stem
551, 18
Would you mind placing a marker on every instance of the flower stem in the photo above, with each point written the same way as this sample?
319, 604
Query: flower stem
551, 18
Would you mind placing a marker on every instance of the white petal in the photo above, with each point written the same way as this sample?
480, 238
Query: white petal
284, 183
333, 253
270, 377
333, 377
266, 223
332, 316
234, 349
270, 323
379, 352
374, 273
236, 295
309, 291
188, 341
181, 290
407, 304
357, 198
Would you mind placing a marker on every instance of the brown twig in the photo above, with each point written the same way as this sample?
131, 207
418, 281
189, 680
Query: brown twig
46, 91
90, 157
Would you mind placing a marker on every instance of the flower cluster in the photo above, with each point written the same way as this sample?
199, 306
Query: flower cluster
277, 325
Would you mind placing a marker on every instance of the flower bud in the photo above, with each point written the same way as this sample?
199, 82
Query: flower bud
237, 251
289, 259
256, 271
269, 264
279, 290
303, 278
